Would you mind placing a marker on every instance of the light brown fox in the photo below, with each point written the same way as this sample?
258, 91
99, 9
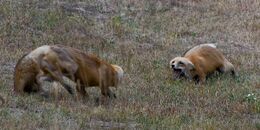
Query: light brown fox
55, 62
93, 71
200, 61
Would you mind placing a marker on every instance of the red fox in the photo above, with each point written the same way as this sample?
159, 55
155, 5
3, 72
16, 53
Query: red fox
93, 71
200, 61
57, 61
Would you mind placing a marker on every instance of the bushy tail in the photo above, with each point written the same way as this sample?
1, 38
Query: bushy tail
16, 73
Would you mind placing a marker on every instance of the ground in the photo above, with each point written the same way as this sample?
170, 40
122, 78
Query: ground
141, 36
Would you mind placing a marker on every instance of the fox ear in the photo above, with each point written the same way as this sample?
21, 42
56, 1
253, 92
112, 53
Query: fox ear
190, 66
171, 62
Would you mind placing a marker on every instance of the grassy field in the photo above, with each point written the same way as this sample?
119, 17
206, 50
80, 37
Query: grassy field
142, 36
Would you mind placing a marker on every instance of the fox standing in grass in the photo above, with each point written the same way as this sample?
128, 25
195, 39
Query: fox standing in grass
54, 62
200, 61
93, 71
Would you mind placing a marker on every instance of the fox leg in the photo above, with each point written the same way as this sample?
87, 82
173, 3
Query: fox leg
55, 74
38, 85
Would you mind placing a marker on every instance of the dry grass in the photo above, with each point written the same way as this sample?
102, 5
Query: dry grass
141, 36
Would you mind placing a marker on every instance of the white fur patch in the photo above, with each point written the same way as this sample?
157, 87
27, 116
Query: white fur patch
194, 49
38, 51
119, 71
209, 44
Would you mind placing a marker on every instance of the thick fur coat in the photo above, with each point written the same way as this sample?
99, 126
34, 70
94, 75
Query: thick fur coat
199, 62
93, 71
54, 62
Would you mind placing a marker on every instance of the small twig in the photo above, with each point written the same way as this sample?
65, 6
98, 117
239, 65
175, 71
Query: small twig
2, 100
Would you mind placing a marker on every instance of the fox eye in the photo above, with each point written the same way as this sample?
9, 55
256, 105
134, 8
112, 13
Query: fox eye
181, 63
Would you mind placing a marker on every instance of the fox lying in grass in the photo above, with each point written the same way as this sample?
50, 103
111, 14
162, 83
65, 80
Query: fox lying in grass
200, 61
54, 62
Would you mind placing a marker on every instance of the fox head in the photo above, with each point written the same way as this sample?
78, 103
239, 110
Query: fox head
181, 66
